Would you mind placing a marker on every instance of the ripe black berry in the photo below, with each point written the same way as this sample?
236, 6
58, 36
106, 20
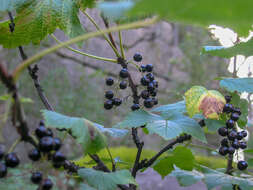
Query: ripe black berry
240, 135
41, 131
223, 150
224, 142
227, 108
143, 68
234, 116
34, 154
58, 157
244, 133
155, 101
123, 85
109, 81
151, 87
232, 135
230, 123
57, 144
231, 150
42, 123
117, 101
1, 152
202, 123
46, 184
12, 160
109, 94
150, 76
36, 177
155, 83
144, 94
50, 132
242, 165
145, 81
237, 110
135, 107
236, 144
228, 98
3, 170
243, 145
137, 57
108, 104
46, 144
223, 131
154, 93
148, 103
149, 67
123, 73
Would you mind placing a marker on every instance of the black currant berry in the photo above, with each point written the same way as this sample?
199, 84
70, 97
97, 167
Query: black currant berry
123, 73
202, 123
244, 133
12, 160
240, 135
109, 94
234, 116
34, 154
223, 131
36, 177
3, 170
58, 157
236, 144
148, 103
155, 101
155, 83
50, 132
144, 94
46, 184
135, 107
230, 123
1, 152
242, 165
224, 142
109, 81
223, 150
154, 93
243, 145
237, 110
143, 68
150, 76
46, 144
145, 81
137, 57
151, 87
228, 98
149, 67
232, 135
231, 150
117, 101
227, 108
42, 123
123, 85
57, 144
41, 131
108, 104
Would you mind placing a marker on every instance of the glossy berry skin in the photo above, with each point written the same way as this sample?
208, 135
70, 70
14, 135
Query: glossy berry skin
109, 81
12, 160
224, 142
236, 144
46, 144
50, 132
223, 131
244, 133
117, 101
155, 101
202, 123
149, 67
155, 83
123, 85
57, 143
109, 94
41, 131
228, 98
223, 150
145, 94
237, 110
123, 73
230, 124
143, 68
34, 154
242, 165
231, 150
137, 57
240, 135
135, 107
36, 177
1, 152
234, 116
108, 104
58, 157
145, 81
3, 170
232, 135
150, 76
151, 87
243, 145
153, 93
46, 184
227, 108
148, 103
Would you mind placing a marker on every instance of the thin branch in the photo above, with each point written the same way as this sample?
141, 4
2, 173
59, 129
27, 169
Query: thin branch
121, 46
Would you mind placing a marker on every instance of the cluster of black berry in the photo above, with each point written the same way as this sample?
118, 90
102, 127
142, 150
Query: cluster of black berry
48, 146
234, 139
148, 95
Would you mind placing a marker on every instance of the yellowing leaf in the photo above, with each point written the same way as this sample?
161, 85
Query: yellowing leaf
208, 102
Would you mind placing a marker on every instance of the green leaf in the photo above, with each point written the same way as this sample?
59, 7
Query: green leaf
250, 162
182, 157
40, 18
117, 133
81, 129
213, 125
236, 15
5, 97
106, 181
243, 48
86, 187
237, 84
9, 5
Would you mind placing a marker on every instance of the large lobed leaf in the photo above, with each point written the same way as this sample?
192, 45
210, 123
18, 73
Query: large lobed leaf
9, 5
237, 84
38, 18
106, 181
236, 15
